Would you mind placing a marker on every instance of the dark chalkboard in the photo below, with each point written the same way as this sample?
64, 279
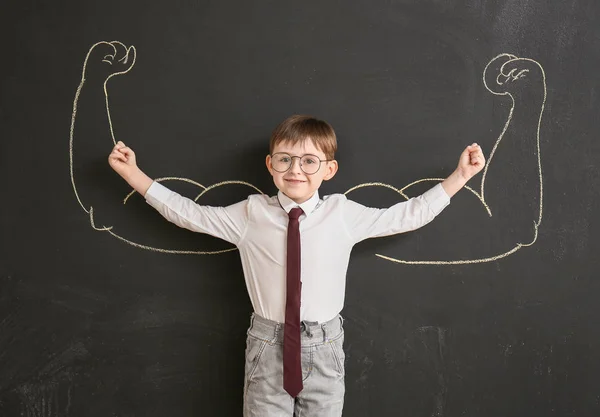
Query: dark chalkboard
491, 310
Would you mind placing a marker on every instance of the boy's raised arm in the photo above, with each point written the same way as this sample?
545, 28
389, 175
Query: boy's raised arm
227, 223
366, 222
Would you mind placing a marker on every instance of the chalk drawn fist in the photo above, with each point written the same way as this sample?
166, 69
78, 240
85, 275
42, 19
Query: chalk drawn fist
509, 74
107, 59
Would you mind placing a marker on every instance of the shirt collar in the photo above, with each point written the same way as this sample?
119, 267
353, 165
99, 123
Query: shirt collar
307, 207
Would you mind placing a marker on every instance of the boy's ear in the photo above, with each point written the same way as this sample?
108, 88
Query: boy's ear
332, 169
268, 162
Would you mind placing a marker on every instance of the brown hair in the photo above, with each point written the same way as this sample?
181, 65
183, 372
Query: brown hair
299, 128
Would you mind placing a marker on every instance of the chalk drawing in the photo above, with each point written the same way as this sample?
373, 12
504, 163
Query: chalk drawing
123, 58
502, 78
127, 61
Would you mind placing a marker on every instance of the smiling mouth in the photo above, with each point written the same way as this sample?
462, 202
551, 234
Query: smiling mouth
294, 181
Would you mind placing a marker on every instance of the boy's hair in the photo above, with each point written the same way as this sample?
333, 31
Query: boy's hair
298, 128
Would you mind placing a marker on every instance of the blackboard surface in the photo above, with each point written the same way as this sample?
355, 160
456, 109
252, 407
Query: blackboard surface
470, 316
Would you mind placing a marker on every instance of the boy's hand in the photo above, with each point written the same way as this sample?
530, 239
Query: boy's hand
122, 160
471, 162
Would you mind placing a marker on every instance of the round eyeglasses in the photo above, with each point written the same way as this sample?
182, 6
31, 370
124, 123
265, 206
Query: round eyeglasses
309, 164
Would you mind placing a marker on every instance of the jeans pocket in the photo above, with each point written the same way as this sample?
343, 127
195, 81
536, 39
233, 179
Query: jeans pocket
254, 349
337, 346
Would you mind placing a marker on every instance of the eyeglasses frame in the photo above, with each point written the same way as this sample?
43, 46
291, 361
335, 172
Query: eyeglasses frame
299, 162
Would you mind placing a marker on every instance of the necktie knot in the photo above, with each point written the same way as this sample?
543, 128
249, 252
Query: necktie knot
295, 213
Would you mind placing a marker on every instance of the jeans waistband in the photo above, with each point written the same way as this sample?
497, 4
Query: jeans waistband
310, 332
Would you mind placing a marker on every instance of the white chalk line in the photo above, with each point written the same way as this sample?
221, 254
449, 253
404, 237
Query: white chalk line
219, 184
171, 251
466, 261
401, 191
166, 179
151, 248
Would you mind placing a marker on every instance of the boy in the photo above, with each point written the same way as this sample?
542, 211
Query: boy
295, 249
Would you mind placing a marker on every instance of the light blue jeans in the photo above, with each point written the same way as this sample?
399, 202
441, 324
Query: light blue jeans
322, 370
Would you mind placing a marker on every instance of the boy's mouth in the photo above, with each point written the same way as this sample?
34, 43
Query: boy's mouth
293, 181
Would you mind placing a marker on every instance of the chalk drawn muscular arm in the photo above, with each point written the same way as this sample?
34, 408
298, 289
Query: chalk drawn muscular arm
93, 182
88, 169
511, 184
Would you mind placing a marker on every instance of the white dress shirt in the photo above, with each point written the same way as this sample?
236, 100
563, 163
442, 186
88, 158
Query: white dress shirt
329, 228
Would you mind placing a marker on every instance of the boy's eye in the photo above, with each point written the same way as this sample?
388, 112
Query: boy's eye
285, 159
309, 161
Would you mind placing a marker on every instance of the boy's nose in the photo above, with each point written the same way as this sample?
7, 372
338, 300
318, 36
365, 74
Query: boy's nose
296, 165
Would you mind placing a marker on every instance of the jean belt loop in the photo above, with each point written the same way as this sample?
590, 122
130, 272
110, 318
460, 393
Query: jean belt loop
307, 328
341, 321
324, 330
251, 322
276, 333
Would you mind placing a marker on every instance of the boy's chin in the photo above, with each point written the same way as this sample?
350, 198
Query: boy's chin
293, 194
298, 197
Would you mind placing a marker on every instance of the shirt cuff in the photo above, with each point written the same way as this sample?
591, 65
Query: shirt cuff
437, 198
157, 194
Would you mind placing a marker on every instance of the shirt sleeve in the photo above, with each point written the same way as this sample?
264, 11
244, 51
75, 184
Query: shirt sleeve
366, 222
227, 223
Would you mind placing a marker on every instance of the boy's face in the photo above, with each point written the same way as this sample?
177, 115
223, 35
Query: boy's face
294, 182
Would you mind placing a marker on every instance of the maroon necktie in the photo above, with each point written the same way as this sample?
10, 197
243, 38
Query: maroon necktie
292, 367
